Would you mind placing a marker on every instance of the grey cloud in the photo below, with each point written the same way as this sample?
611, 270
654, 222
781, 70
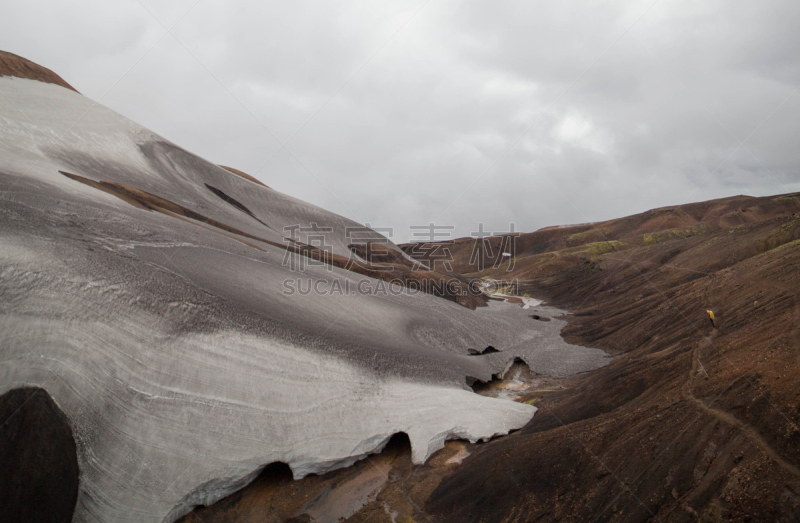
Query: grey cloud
617, 122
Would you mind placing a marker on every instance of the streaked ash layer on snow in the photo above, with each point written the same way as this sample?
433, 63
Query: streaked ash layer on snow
169, 344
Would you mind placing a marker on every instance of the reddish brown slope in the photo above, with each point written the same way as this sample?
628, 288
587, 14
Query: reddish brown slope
13, 65
688, 422
655, 226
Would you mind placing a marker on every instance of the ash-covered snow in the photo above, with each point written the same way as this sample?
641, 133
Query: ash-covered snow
180, 361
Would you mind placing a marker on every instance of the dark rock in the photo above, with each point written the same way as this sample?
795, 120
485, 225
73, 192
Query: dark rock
39, 479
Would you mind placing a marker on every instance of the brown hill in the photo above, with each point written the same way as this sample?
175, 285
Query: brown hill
590, 240
689, 422
13, 65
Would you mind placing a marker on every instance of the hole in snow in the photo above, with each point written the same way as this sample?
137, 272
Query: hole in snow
487, 350
516, 383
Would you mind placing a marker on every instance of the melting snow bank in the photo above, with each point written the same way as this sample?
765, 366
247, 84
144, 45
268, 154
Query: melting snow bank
430, 415
490, 289
180, 361
362, 413
233, 404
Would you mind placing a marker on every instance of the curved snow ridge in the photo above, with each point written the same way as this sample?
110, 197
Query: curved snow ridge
424, 443
363, 413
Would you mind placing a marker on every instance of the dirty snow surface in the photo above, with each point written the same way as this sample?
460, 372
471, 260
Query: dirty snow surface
181, 361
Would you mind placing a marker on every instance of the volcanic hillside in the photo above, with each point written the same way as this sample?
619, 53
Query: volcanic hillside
147, 334
688, 422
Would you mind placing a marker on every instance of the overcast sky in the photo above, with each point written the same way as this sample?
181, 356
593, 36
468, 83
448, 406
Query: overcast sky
453, 112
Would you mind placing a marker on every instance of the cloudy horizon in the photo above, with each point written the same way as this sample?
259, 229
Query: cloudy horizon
456, 113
